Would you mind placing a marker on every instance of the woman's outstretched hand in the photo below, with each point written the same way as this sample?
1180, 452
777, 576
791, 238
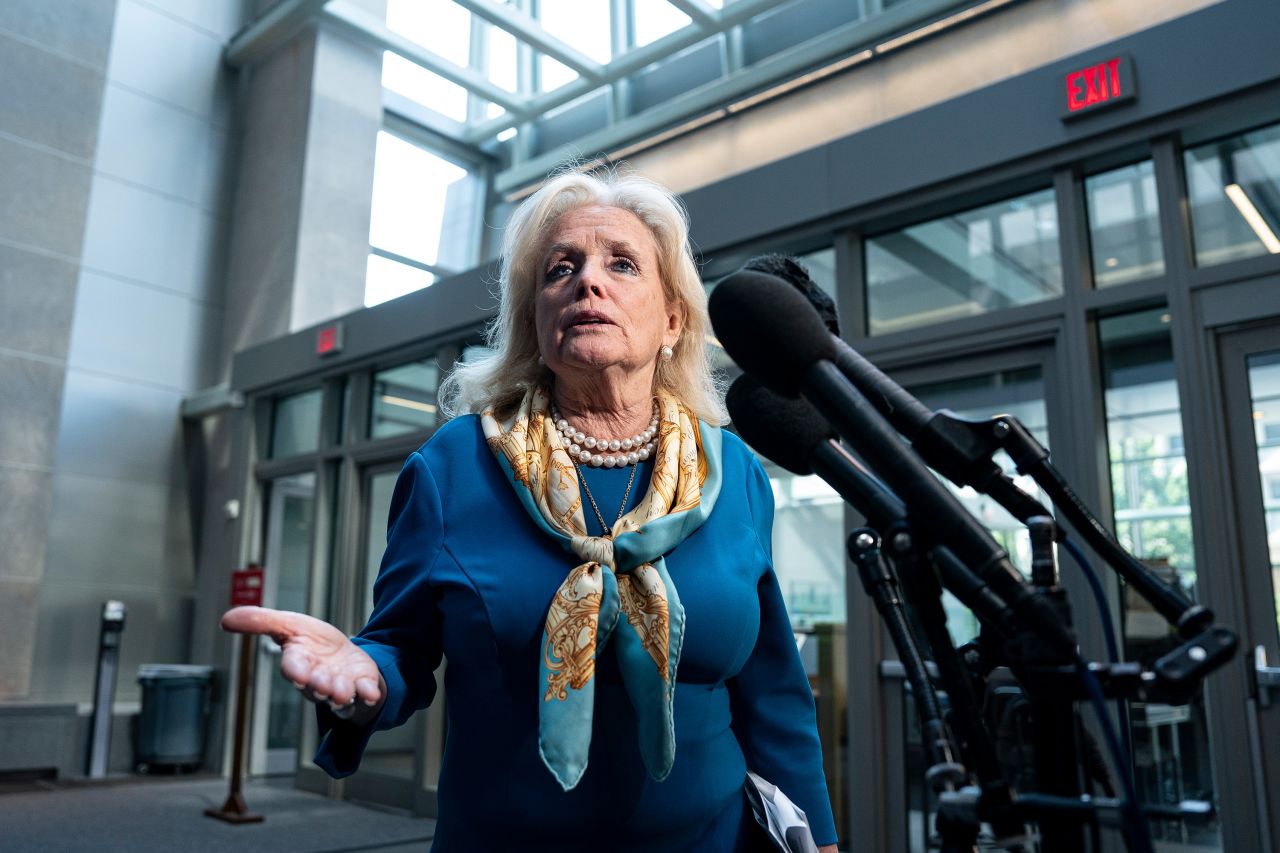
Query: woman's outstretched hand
318, 659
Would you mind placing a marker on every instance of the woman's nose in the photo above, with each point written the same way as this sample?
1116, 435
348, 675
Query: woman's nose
590, 279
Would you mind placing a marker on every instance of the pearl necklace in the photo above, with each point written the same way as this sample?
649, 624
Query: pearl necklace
616, 452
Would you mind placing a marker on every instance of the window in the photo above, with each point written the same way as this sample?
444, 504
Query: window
657, 18
442, 27
808, 547
1144, 441
295, 424
969, 263
585, 27
1233, 188
1124, 225
423, 221
404, 398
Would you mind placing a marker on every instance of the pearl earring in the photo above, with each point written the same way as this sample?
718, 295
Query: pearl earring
667, 352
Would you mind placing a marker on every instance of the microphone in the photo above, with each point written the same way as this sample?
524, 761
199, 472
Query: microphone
773, 333
793, 434
748, 301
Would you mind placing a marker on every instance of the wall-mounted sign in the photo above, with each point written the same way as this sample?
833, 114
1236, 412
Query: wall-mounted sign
246, 586
1099, 86
329, 339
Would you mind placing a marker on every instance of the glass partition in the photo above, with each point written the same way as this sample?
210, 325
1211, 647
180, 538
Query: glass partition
1233, 190
992, 257
1124, 225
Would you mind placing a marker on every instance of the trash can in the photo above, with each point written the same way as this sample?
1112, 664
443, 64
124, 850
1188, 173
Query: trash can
171, 727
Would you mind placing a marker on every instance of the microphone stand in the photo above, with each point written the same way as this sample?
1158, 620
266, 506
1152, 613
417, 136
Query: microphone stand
919, 582
945, 774
1043, 646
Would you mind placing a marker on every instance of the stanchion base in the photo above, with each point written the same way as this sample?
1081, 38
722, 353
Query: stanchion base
234, 810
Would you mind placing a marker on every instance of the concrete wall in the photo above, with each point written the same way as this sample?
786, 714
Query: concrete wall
146, 321
53, 59
300, 238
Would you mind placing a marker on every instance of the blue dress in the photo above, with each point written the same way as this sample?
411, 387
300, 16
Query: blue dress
468, 574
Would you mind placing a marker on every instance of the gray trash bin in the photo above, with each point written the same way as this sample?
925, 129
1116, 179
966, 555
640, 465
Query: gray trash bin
171, 727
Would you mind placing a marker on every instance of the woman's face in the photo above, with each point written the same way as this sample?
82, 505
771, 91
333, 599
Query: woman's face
600, 300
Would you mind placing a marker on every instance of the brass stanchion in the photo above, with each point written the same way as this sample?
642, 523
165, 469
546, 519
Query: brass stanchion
234, 810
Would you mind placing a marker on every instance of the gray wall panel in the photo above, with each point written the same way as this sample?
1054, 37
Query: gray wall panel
333, 227
92, 511
42, 198
135, 332
217, 17
18, 600
49, 99
159, 146
119, 429
25, 497
66, 638
168, 59
31, 391
141, 235
77, 28
264, 239
37, 296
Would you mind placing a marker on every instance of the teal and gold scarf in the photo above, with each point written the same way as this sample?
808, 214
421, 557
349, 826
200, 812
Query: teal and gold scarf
624, 573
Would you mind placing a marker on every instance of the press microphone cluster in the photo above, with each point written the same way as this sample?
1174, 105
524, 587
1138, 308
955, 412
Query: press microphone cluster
770, 329
773, 333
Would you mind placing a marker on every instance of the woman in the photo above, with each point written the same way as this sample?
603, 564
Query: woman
592, 554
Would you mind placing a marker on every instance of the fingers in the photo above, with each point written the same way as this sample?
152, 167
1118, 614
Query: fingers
343, 692
368, 691
296, 665
280, 624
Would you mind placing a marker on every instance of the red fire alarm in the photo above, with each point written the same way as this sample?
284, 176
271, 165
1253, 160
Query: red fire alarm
329, 339
1099, 86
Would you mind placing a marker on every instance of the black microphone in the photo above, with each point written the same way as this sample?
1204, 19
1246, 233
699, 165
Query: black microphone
748, 301
792, 433
774, 334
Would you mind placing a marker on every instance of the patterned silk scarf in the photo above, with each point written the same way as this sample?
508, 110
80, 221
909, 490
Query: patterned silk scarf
624, 574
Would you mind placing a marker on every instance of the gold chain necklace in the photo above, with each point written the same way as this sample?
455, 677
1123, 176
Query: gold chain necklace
607, 530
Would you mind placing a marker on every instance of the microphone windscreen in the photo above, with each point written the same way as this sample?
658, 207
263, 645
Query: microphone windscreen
769, 328
782, 428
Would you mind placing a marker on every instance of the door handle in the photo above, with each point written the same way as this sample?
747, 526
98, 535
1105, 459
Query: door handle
1265, 678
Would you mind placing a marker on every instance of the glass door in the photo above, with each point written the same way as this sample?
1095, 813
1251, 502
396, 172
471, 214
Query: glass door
1250, 367
400, 766
277, 714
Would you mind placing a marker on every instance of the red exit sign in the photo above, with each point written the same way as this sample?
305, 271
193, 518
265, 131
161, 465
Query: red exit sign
329, 339
1099, 86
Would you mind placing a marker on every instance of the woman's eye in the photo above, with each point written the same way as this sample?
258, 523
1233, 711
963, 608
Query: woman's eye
560, 270
624, 264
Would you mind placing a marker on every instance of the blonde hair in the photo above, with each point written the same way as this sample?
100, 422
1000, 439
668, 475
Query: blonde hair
500, 379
